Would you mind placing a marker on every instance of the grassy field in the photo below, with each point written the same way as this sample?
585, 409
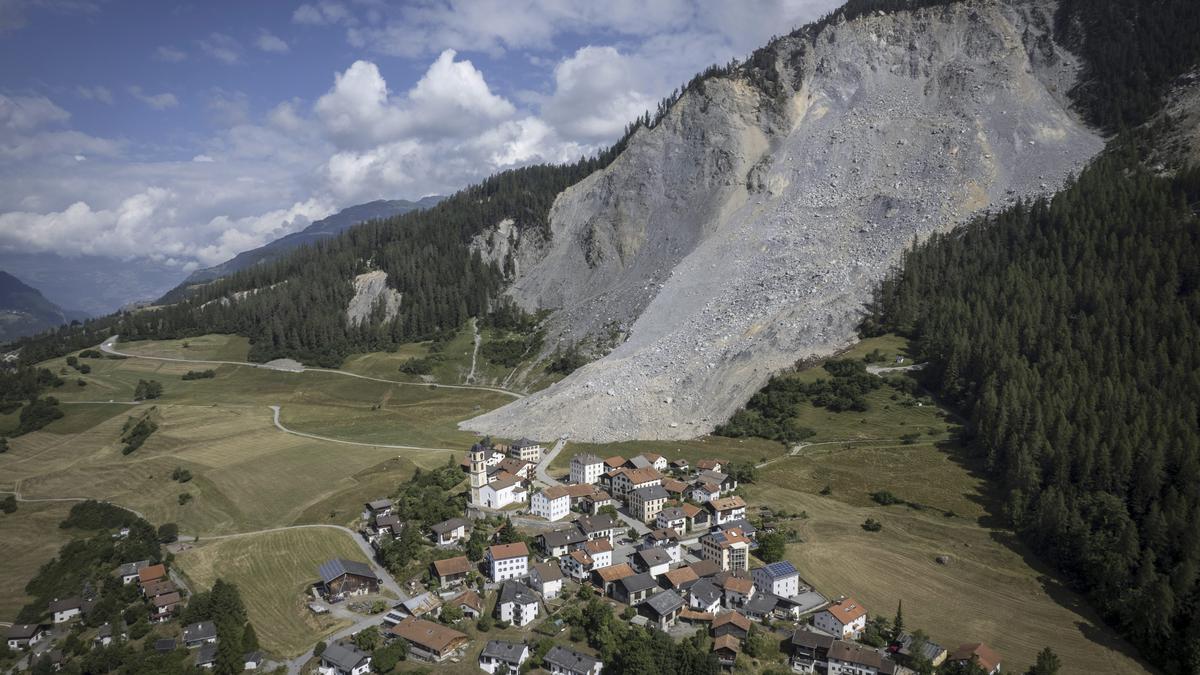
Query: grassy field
707, 447
992, 590
29, 538
204, 348
247, 475
273, 570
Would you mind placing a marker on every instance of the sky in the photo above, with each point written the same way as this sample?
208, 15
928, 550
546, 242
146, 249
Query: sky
187, 132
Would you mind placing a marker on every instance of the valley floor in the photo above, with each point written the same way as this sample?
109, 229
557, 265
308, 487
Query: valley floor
248, 475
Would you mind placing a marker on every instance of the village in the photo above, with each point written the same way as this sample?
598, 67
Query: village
670, 546
667, 546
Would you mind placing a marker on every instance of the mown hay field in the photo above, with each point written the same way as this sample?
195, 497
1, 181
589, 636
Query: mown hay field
273, 571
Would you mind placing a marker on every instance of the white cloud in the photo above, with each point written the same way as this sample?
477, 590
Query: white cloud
221, 47
24, 113
269, 42
363, 139
451, 99
596, 94
169, 54
229, 108
149, 221
157, 101
30, 128
96, 93
322, 13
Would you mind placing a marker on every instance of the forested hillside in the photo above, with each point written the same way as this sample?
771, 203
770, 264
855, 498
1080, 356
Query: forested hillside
295, 307
1068, 331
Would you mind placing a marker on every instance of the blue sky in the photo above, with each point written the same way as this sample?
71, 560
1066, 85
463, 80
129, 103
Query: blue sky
188, 132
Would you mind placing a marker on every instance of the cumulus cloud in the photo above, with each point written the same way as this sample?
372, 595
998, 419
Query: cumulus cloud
221, 47
31, 127
157, 101
322, 13
362, 139
96, 93
147, 221
229, 108
269, 42
169, 54
23, 113
596, 93
451, 99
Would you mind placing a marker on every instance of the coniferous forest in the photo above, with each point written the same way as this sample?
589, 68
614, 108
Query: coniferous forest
1068, 332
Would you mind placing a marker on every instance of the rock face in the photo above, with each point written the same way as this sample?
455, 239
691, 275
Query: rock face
746, 230
371, 290
509, 247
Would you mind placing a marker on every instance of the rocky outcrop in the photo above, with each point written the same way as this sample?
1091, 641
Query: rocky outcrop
509, 247
747, 229
370, 292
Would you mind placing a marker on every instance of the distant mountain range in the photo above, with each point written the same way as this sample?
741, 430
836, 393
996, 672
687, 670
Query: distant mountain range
25, 311
326, 227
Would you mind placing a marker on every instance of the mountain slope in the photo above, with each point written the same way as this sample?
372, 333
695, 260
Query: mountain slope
24, 310
748, 227
321, 229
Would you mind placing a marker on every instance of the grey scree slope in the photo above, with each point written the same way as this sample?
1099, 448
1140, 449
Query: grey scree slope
744, 232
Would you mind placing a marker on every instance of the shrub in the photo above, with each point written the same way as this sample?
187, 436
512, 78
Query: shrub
136, 435
417, 366
146, 390
885, 498
38, 413
872, 525
199, 375
184, 498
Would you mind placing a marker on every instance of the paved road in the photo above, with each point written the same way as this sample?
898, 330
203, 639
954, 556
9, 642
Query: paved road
275, 409
542, 465
109, 347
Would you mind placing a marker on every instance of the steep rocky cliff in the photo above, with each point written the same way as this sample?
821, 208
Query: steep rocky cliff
748, 226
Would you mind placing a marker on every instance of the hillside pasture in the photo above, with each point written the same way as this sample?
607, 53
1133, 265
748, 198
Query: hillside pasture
29, 538
273, 571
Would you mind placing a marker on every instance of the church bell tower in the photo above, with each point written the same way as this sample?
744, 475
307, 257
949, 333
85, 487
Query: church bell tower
478, 472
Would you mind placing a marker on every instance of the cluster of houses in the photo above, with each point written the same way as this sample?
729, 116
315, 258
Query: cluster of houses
506, 470
164, 600
689, 569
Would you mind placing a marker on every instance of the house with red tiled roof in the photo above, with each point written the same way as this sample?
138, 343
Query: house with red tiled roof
982, 655
845, 618
507, 561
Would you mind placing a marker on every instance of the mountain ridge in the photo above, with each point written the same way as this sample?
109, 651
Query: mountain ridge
25, 311
318, 230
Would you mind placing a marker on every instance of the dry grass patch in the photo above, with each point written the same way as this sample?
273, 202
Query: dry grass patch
992, 590
28, 538
274, 571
